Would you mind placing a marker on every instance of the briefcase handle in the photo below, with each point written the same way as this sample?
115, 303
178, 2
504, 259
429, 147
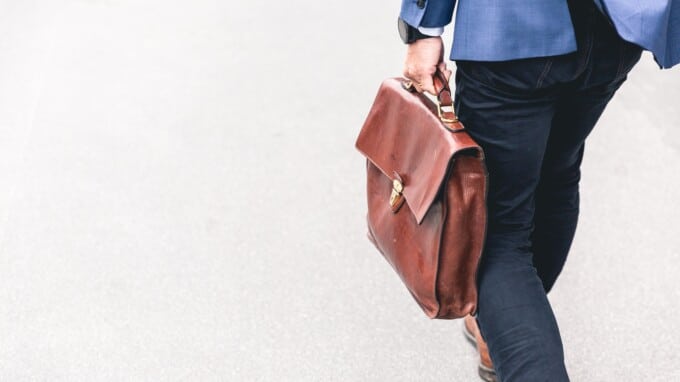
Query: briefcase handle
444, 100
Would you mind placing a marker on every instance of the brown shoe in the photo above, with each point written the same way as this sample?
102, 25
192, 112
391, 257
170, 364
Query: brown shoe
471, 331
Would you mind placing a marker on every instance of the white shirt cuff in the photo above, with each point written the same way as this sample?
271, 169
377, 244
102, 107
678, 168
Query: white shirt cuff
437, 31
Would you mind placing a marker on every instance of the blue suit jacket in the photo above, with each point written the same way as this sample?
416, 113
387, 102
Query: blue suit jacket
498, 30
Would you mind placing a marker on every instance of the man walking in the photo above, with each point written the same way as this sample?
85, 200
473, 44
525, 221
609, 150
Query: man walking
532, 79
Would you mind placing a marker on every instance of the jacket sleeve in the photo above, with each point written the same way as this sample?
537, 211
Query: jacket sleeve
427, 13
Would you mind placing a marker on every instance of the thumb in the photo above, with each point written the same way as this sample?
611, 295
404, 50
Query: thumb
442, 68
427, 84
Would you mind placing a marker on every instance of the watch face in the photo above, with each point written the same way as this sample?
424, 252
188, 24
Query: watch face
403, 30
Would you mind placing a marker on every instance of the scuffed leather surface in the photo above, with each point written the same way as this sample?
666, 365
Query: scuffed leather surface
403, 134
434, 242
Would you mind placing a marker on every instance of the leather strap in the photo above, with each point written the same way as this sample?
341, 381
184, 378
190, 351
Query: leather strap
441, 86
445, 106
444, 101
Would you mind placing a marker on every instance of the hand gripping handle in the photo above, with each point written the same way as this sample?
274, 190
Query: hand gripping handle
444, 100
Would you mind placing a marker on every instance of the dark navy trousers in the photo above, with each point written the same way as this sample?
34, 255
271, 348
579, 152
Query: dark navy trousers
532, 117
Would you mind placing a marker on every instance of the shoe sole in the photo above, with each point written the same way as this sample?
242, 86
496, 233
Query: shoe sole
486, 374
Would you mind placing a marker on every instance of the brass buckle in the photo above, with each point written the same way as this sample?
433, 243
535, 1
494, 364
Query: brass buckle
408, 86
396, 197
441, 113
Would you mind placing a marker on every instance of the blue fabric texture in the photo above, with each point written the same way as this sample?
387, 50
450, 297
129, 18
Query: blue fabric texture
652, 24
532, 118
413, 14
493, 30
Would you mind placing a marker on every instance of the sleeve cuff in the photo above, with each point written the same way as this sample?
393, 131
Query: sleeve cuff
431, 31
428, 13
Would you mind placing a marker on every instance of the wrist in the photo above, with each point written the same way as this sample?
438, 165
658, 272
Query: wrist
410, 34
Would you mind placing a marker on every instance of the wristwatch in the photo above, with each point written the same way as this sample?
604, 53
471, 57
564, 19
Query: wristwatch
408, 33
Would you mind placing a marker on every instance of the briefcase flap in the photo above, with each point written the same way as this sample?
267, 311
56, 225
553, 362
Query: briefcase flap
403, 135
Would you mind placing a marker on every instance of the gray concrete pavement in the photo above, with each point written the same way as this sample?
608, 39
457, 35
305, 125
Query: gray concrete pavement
180, 200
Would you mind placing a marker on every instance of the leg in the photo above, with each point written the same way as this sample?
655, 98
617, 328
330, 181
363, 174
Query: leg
503, 110
519, 113
557, 196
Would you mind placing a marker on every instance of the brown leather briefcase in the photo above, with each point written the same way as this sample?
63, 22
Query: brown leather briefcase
426, 196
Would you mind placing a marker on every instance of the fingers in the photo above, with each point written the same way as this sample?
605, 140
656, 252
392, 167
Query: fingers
423, 57
426, 84
422, 79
